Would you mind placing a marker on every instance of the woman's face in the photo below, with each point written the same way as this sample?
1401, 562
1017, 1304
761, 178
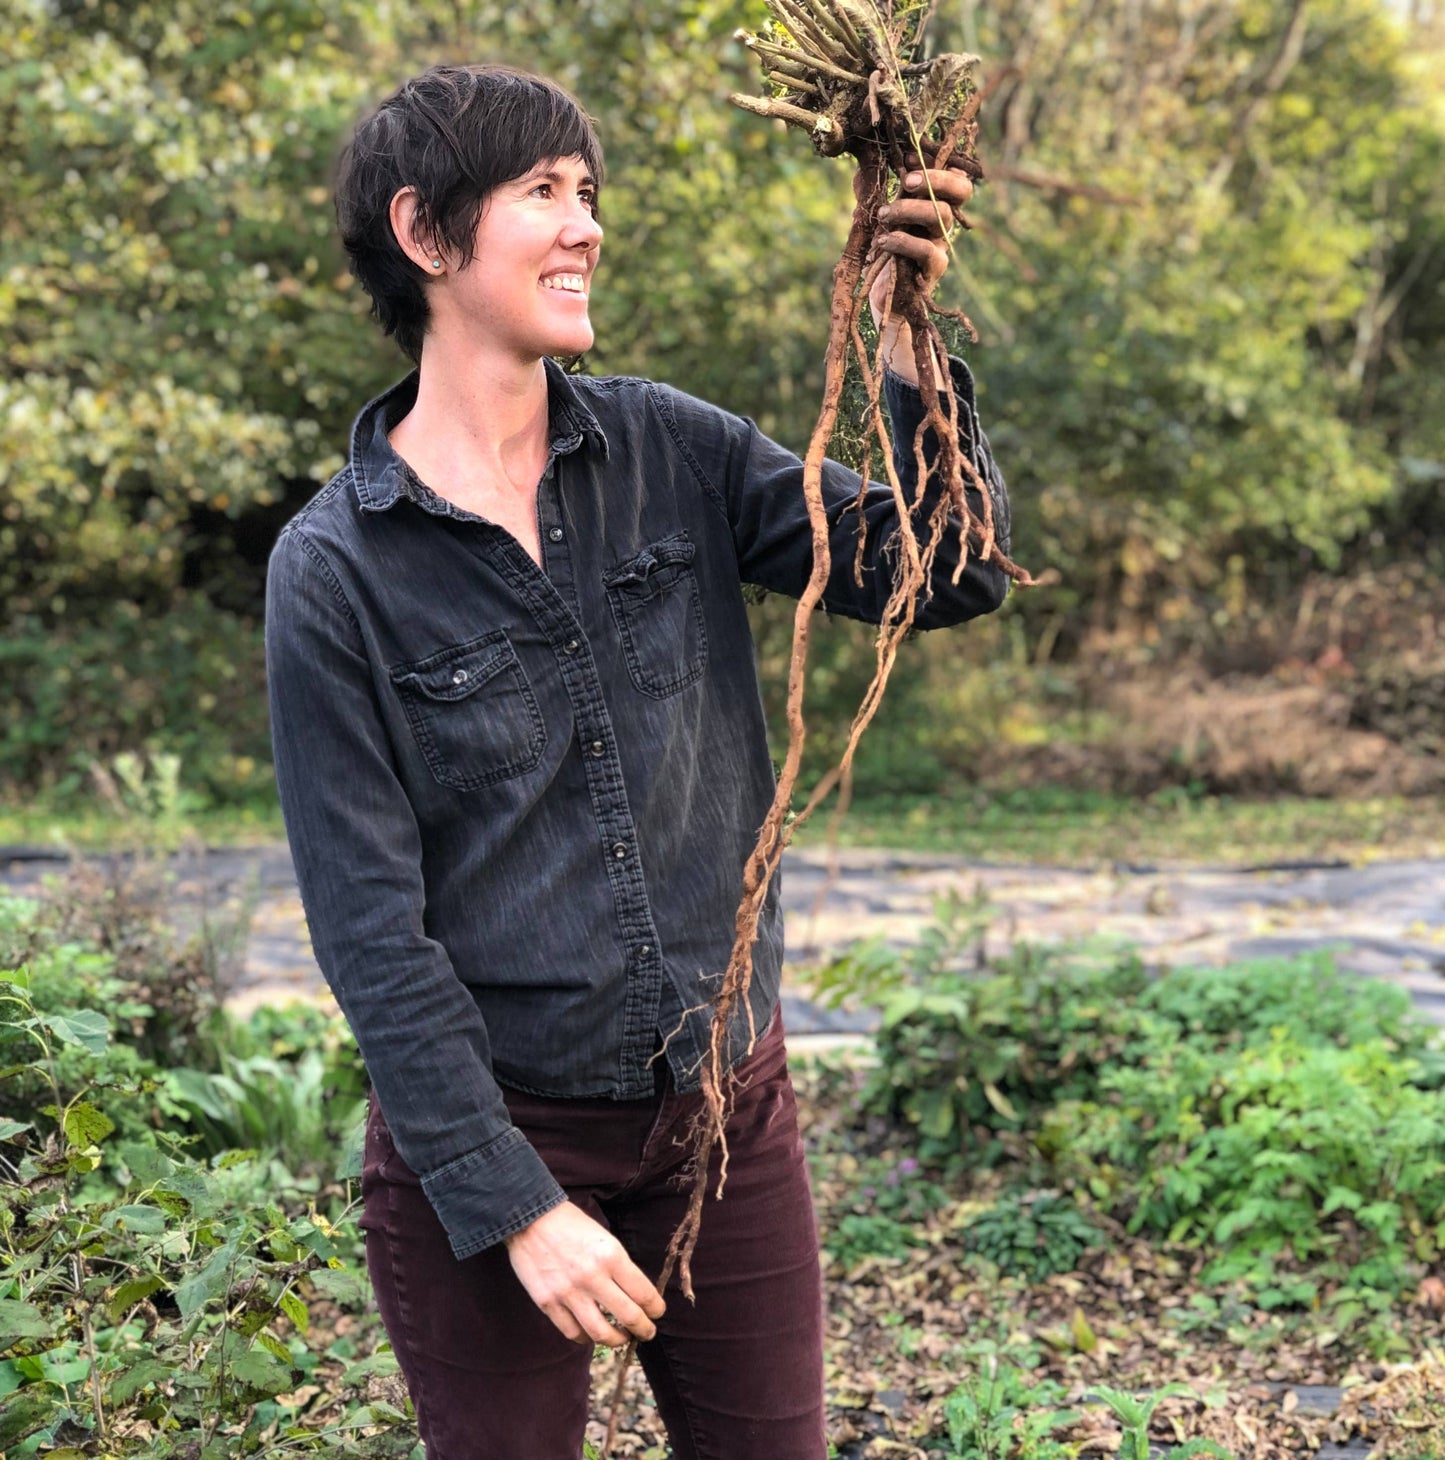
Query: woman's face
536, 248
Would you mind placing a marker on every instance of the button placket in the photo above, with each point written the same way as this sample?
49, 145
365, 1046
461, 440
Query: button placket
547, 594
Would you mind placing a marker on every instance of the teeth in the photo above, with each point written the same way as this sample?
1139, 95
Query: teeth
572, 283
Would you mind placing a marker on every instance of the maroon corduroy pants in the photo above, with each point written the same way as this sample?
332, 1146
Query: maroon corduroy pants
739, 1376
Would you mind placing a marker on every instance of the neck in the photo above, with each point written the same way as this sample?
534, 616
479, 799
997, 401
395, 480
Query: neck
479, 417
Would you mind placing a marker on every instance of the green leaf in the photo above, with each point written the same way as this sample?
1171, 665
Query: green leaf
383, 1364
272, 1344
1125, 1406
209, 1283
21, 1320
11, 1128
1341, 1196
296, 1311
1084, 1338
134, 1377
128, 1294
24, 1412
263, 1371
83, 1027
147, 1221
340, 1285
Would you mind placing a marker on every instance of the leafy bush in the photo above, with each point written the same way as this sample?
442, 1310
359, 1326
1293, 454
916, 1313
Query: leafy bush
974, 1054
967, 1056
289, 1107
855, 1237
1002, 1412
1283, 1116
1032, 1234
1135, 1414
154, 1303
1277, 1156
187, 681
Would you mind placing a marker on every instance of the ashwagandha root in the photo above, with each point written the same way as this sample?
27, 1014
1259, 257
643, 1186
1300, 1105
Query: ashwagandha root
843, 71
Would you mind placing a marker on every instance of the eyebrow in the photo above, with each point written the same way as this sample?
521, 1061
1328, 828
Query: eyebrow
551, 175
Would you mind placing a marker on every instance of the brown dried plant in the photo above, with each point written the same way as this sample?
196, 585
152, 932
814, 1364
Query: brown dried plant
842, 70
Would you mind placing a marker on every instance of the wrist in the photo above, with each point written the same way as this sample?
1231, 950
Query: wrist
896, 352
522, 1233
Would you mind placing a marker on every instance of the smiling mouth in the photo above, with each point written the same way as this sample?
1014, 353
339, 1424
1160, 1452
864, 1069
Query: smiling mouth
565, 283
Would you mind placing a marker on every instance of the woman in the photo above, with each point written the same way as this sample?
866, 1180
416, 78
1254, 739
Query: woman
521, 755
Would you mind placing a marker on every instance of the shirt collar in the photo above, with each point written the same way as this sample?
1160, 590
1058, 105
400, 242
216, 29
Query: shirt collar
381, 477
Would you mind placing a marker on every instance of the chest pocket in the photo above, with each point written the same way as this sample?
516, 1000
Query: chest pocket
473, 713
655, 604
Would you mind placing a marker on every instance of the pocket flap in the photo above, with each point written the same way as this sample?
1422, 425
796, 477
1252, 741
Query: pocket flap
455, 673
671, 552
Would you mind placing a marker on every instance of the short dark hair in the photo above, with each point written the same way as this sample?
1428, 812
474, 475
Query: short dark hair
455, 134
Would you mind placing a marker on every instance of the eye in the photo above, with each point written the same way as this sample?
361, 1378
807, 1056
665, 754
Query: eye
545, 188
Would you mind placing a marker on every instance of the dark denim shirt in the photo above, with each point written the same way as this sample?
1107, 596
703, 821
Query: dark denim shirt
520, 798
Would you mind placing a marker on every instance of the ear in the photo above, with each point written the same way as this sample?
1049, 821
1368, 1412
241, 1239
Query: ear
403, 224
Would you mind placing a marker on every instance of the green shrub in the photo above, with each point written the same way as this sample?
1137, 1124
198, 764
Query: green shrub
1274, 1156
1032, 1234
289, 1107
855, 1237
1282, 1116
1002, 1412
967, 1056
1135, 1414
143, 1308
189, 682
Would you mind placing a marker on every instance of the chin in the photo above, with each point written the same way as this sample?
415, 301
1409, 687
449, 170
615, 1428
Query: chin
575, 342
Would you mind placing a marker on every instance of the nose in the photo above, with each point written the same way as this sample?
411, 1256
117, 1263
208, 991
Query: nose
583, 230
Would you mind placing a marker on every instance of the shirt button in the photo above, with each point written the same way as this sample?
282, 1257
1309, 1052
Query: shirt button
460, 677
619, 850
597, 747
555, 534
644, 950
571, 646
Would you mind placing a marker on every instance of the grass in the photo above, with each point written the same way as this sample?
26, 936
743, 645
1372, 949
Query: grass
1043, 825
93, 826
1057, 826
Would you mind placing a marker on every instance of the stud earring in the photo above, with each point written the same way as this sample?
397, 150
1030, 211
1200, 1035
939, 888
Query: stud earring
436, 263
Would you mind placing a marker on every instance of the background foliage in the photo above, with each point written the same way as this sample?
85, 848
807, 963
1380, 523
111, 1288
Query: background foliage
1223, 377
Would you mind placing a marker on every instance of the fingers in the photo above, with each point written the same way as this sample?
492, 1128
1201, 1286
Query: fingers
581, 1277
597, 1328
929, 254
639, 1290
950, 185
922, 251
628, 1316
564, 1322
922, 215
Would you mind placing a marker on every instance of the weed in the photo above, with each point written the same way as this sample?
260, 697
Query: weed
1032, 1234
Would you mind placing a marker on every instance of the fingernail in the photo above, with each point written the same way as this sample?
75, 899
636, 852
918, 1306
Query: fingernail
913, 180
885, 211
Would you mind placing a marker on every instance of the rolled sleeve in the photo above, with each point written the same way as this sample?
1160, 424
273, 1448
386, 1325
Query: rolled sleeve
506, 1178
980, 583
357, 849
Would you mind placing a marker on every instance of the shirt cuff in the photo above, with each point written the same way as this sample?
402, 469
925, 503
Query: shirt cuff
906, 410
491, 1192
